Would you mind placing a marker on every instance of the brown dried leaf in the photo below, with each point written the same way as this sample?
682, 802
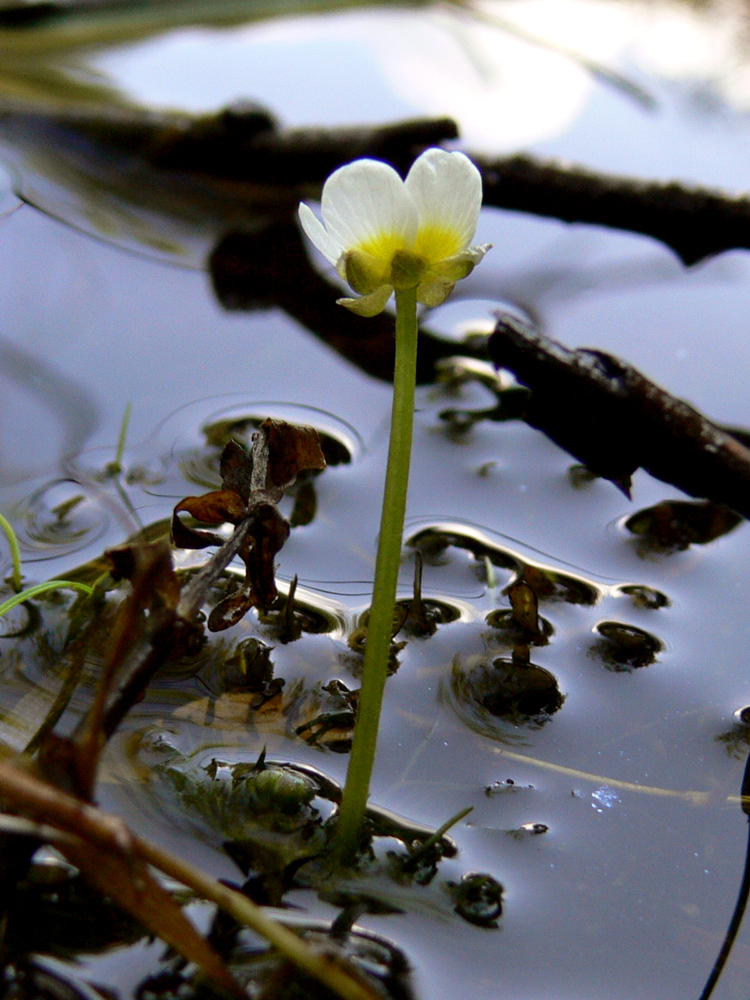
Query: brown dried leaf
189, 538
148, 566
292, 448
215, 508
232, 609
269, 532
127, 880
236, 470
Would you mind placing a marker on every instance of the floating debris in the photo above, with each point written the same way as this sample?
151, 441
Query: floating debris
644, 597
479, 899
675, 525
624, 647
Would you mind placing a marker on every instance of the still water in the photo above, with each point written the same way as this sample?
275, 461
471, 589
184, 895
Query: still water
619, 882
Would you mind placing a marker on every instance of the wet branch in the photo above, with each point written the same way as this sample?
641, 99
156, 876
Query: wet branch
612, 418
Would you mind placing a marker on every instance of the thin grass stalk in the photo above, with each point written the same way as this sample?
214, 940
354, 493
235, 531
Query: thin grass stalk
336, 977
42, 588
16, 580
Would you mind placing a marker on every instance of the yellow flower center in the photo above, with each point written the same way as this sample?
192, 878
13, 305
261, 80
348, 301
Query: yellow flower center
382, 247
437, 242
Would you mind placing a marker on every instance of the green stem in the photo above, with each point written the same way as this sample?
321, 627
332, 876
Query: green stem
42, 588
15, 553
380, 621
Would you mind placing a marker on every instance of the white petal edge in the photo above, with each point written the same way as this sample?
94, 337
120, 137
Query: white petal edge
365, 199
317, 234
447, 190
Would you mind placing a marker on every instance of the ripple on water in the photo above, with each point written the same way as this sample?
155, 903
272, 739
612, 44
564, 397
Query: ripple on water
191, 439
57, 519
434, 542
495, 696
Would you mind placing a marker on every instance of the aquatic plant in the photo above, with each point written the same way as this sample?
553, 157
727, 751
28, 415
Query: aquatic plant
384, 234
16, 577
411, 237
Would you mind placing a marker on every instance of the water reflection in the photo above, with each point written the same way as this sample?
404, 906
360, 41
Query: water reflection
58, 519
70, 401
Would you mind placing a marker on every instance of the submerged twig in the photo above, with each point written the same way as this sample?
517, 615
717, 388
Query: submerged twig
238, 164
692, 797
194, 593
61, 701
271, 268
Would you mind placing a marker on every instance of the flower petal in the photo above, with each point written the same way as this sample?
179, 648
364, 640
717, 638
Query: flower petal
365, 207
368, 305
317, 234
447, 190
461, 264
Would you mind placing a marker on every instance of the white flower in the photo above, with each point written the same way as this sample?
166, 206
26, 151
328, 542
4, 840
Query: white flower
383, 233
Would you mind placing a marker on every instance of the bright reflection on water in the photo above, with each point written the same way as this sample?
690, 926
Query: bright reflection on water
629, 891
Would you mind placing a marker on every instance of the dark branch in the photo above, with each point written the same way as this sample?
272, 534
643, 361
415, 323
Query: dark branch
695, 222
615, 420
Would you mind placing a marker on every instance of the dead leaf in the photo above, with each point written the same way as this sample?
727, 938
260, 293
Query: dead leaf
251, 488
236, 470
128, 881
292, 448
